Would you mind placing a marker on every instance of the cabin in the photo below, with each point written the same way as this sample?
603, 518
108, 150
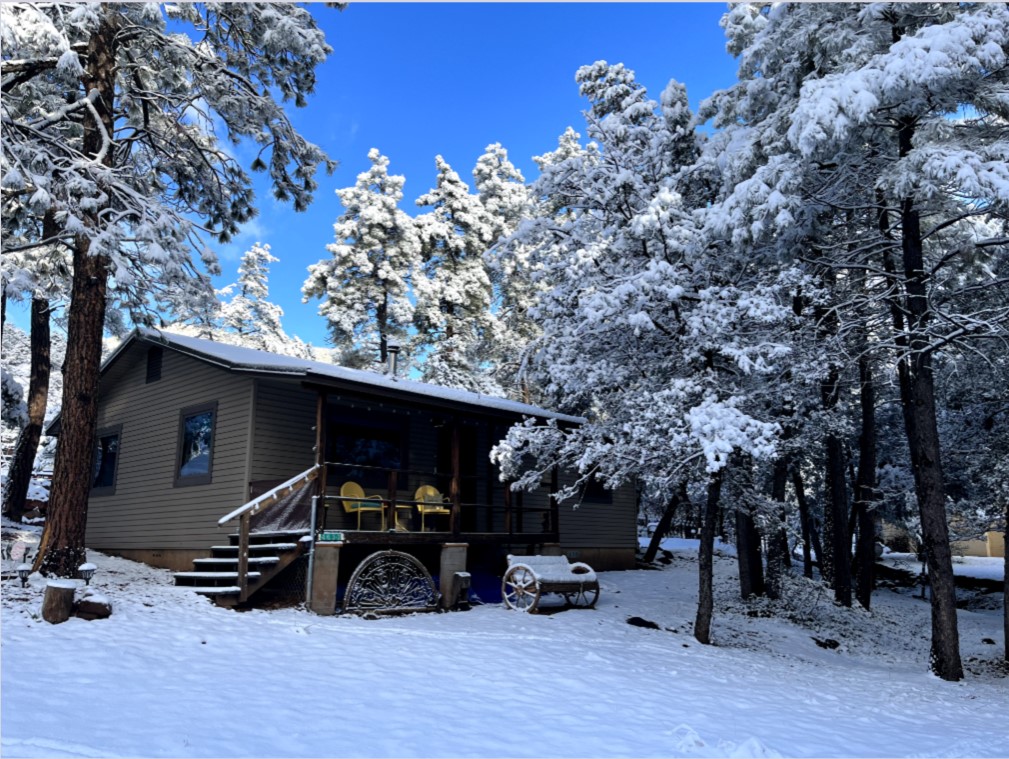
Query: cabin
201, 443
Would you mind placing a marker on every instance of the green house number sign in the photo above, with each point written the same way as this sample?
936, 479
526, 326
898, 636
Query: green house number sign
332, 535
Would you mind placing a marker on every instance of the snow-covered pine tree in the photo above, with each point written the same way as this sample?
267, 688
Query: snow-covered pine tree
452, 286
193, 307
250, 316
516, 270
35, 265
871, 139
365, 285
238, 314
502, 190
146, 162
649, 331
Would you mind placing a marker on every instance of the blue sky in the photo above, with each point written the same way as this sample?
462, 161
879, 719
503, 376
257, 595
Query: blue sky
420, 79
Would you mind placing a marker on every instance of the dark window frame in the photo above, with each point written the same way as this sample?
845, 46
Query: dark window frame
593, 491
117, 430
179, 480
155, 360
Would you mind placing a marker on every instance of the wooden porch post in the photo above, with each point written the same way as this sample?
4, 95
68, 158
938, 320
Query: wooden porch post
243, 557
320, 454
554, 506
390, 521
455, 491
509, 527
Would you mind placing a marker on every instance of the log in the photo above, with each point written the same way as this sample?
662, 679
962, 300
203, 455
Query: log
93, 606
58, 602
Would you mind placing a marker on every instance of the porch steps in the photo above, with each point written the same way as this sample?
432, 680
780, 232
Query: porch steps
217, 576
218, 564
212, 576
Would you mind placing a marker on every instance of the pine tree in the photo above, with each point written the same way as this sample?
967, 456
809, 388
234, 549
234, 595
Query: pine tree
869, 139
453, 289
250, 315
649, 332
238, 314
364, 287
504, 195
134, 153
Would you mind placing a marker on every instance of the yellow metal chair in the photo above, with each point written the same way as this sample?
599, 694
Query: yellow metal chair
350, 490
430, 501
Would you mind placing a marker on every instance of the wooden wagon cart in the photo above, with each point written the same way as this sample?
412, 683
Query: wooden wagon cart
529, 577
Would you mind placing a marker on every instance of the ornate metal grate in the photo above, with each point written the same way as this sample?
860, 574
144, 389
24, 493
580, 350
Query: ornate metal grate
390, 581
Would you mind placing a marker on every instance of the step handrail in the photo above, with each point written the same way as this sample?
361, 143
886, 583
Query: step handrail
270, 496
245, 512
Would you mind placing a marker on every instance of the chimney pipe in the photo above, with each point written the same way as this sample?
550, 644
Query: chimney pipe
393, 350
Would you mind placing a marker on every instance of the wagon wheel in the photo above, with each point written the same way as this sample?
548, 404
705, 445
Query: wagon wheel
520, 589
583, 598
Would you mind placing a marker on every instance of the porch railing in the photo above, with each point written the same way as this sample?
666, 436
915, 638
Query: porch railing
473, 518
510, 515
245, 512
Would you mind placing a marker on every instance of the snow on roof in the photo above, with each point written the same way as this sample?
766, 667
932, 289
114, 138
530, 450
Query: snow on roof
248, 359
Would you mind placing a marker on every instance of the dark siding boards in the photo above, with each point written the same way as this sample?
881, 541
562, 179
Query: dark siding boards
147, 511
599, 525
284, 433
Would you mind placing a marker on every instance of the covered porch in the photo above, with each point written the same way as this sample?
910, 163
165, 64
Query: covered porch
407, 474
397, 471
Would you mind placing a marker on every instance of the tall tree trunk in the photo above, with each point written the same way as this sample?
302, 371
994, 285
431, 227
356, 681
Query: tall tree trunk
836, 539
665, 522
865, 551
706, 561
19, 475
61, 549
748, 556
777, 543
809, 534
923, 438
382, 318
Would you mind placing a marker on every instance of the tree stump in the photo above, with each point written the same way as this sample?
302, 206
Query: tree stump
58, 601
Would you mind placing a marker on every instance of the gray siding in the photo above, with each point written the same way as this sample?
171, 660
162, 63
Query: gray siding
283, 435
147, 511
600, 525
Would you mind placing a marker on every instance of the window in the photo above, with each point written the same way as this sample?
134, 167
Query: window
106, 464
154, 356
195, 459
369, 451
596, 492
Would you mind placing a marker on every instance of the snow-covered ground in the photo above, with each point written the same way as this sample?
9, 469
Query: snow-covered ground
169, 674
978, 567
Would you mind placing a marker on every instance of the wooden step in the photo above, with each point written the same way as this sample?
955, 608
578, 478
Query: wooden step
258, 538
228, 562
258, 547
211, 579
210, 590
